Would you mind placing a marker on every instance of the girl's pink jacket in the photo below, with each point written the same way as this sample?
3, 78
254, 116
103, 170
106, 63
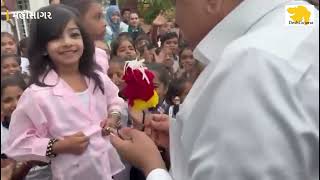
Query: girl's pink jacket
54, 112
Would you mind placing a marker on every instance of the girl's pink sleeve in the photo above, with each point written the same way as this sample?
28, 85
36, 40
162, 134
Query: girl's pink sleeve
115, 103
102, 59
27, 138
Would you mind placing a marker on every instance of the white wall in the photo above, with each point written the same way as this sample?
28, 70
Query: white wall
37, 4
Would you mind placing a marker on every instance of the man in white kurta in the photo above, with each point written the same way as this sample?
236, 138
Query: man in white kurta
253, 114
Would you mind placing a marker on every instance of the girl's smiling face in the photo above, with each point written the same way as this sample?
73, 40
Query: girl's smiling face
126, 50
67, 49
9, 66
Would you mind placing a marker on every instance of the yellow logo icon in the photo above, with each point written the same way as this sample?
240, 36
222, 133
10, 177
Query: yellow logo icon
299, 15
3, 4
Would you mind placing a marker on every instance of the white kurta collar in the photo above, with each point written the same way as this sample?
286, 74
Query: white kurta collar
233, 26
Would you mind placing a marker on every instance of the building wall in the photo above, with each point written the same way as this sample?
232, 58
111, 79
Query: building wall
37, 4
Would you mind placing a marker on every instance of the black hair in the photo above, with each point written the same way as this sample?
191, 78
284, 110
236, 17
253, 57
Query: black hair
24, 42
44, 30
13, 80
167, 36
6, 34
182, 49
81, 5
124, 10
124, 35
116, 43
6, 56
162, 72
134, 12
176, 88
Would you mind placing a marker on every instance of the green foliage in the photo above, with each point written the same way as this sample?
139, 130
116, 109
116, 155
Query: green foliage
149, 9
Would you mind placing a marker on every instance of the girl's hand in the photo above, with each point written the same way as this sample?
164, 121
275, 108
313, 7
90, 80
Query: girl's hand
110, 122
74, 144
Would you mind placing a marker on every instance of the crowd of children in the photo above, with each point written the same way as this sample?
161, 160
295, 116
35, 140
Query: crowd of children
63, 84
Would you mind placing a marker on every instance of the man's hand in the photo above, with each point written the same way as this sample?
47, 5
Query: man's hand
7, 167
160, 130
139, 150
159, 20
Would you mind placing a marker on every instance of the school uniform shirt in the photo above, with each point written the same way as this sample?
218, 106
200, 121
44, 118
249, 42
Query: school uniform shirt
25, 65
254, 111
43, 113
4, 136
102, 59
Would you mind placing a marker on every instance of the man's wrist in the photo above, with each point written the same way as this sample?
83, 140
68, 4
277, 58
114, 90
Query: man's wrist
150, 168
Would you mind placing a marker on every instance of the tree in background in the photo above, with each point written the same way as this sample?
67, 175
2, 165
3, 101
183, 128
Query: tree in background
149, 9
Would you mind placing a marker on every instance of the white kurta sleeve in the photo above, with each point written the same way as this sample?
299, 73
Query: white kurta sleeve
254, 126
159, 174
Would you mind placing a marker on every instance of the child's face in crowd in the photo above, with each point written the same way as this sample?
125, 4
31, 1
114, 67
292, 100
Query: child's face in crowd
115, 72
116, 17
166, 27
148, 55
126, 16
9, 66
9, 99
168, 60
172, 44
67, 49
8, 46
159, 87
176, 100
126, 50
187, 60
134, 20
94, 22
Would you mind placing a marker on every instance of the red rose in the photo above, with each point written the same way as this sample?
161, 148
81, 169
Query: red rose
137, 87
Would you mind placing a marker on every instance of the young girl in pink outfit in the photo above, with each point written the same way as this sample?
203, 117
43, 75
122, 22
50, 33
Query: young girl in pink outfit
58, 117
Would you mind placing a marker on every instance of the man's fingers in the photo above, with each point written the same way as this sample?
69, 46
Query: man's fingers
161, 126
160, 117
118, 143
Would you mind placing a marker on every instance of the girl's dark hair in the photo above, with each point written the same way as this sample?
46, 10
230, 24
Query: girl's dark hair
13, 80
24, 42
167, 36
183, 49
116, 43
124, 10
6, 34
81, 5
176, 88
148, 44
17, 58
43, 31
161, 71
